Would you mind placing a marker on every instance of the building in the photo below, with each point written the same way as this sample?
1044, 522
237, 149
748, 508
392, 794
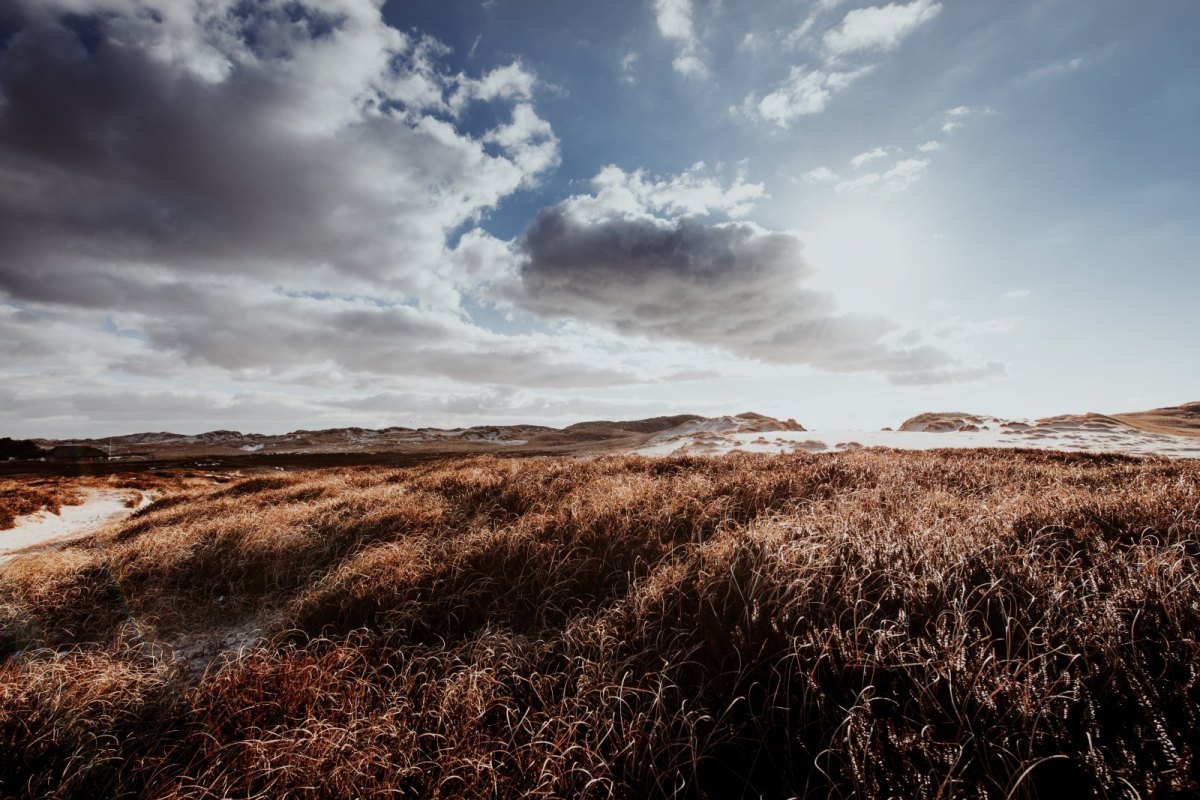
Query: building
77, 452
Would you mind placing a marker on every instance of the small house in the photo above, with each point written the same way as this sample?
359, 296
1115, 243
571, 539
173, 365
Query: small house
77, 452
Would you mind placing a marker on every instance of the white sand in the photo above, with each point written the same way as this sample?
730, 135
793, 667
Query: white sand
43, 528
1044, 437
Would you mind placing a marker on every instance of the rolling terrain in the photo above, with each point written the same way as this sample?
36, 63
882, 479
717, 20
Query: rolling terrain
482, 612
1181, 420
1169, 431
862, 624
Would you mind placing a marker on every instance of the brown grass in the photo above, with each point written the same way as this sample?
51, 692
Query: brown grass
943, 624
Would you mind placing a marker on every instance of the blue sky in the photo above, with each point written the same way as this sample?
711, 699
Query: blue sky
459, 213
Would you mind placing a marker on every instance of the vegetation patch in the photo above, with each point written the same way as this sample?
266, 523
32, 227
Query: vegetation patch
863, 624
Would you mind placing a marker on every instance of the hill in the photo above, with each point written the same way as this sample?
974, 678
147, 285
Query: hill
947, 421
586, 437
1182, 420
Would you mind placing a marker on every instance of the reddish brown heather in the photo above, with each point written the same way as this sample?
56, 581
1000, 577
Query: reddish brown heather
869, 624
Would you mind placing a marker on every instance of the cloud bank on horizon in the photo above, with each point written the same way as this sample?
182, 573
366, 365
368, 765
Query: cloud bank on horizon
289, 213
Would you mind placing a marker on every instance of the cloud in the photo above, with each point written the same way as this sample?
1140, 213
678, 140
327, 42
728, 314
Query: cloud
809, 89
993, 369
931, 146
250, 332
878, 28
258, 189
1017, 294
959, 329
865, 158
674, 18
955, 118
802, 31
269, 200
819, 175
804, 92
733, 286
692, 192
177, 146
110, 409
628, 62
898, 178
1064, 66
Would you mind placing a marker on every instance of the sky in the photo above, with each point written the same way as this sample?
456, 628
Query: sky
283, 214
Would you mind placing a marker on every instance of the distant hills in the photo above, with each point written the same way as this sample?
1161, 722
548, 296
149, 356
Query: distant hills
583, 437
593, 437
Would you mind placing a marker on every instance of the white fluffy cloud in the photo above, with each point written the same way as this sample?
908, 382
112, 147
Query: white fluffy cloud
867, 157
862, 35
896, 179
819, 175
692, 192
878, 28
804, 92
674, 18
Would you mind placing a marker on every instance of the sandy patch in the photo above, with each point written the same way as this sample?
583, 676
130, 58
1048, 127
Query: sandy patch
200, 650
1075, 438
42, 529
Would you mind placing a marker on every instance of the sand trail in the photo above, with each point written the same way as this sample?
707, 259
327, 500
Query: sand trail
43, 529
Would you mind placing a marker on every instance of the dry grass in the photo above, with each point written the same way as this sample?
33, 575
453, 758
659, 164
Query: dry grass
943, 624
1181, 420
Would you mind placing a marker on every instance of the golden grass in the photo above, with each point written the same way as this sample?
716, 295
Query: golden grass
943, 624
1181, 420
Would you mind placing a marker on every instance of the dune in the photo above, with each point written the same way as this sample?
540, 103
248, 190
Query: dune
723, 434
935, 430
948, 421
1182, 420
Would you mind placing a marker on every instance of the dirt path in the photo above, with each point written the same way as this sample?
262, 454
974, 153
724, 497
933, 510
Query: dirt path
43, 529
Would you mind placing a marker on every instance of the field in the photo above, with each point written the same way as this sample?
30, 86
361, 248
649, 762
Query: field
864, 624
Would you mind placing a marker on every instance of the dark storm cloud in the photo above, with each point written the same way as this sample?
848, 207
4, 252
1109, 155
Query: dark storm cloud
112, 155
208, 169
733, 286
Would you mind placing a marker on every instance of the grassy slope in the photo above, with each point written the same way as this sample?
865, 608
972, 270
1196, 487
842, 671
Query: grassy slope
908, 624
1181, 420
